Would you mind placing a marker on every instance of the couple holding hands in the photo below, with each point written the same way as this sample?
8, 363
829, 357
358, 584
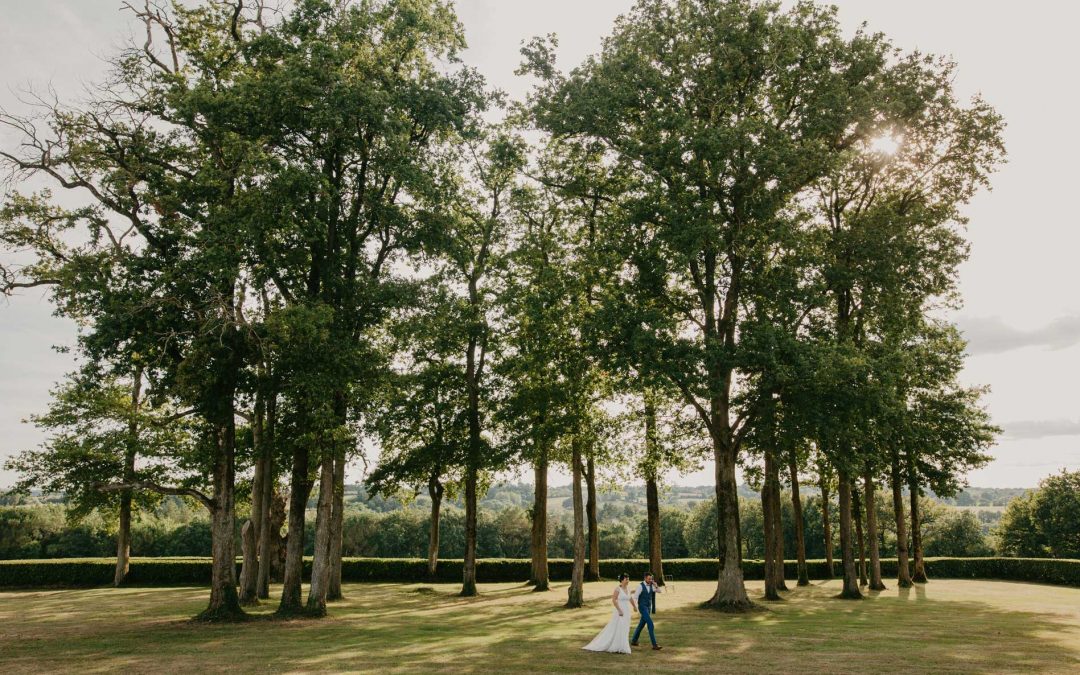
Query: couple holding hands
615, 636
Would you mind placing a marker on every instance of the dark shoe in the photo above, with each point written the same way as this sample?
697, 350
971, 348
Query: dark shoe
657, 647
633, 644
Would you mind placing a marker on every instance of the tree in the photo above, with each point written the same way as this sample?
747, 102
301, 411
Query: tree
100, 428
672, 441
722, 111
1046, 521
797, 512
420, 420
956, 534
354, 112
472, 217
532, 410
154, 150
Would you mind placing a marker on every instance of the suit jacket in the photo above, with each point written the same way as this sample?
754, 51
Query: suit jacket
646, 598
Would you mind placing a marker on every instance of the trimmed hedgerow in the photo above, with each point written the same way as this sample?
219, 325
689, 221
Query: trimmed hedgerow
196, 571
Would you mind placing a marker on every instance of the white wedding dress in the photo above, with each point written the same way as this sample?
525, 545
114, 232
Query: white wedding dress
616, 634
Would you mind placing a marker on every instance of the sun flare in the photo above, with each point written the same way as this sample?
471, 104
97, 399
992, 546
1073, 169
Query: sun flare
886, 144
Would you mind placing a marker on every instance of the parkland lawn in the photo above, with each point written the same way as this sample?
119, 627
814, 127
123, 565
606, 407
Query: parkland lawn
946, 626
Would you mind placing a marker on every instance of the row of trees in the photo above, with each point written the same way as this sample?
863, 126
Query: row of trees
33, 531
727, 235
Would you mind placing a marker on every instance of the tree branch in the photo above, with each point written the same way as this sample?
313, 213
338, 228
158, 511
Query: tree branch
160, 489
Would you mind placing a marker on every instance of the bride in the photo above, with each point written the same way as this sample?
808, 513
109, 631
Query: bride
616, 635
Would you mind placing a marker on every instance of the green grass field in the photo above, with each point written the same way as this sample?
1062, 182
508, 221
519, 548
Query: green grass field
946, 626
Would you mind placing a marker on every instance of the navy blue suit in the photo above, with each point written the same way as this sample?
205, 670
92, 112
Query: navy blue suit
646, 600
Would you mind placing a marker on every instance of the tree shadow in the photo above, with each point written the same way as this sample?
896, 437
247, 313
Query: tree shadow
409, 628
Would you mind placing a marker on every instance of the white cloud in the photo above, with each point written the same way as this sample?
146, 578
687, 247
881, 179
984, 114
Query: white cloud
991, 335
1028, 429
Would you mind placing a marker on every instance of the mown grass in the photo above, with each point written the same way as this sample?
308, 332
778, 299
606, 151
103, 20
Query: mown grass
946, 626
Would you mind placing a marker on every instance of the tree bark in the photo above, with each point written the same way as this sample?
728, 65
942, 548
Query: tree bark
123, 535
777, 529
847, 549
903, 567
249, 533
468, 581
224, 601
731, 588
826, 526
652, 491
320, 562
800, 529
856, 507
123, 539
267, 536
472, 468
539, 523
337, 525
300, 490
278, 521
870, 490
592, 572
435, 491
768, 526
919, 574
575, 594
652, 511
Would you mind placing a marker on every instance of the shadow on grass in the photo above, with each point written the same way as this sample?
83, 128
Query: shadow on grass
408, 628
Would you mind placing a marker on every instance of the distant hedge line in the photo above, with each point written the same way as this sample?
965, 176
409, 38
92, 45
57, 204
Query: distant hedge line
195, 571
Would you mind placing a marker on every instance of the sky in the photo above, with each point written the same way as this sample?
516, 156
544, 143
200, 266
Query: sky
1021, 314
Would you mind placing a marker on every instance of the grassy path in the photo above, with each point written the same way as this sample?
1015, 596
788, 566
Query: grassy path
946, 626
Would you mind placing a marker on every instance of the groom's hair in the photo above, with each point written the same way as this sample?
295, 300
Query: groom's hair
648, 574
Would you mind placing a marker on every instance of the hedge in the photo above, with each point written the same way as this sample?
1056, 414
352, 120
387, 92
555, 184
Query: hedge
196, 571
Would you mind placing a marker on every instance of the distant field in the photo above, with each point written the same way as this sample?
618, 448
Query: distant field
946, 626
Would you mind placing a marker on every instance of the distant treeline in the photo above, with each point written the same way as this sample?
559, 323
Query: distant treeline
377, 527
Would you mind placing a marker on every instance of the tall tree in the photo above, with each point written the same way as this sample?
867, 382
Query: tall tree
155, 150
532, 410
473, 220
420, 417
722, 111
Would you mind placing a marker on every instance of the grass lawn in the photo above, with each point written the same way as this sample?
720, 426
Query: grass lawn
946, 626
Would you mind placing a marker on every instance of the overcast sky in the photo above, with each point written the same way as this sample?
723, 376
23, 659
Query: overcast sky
1021, 314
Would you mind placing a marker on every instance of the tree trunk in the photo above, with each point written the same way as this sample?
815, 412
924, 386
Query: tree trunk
123, 539
800, 530
777, 529
919, 575
856, 507
267, 537
870, 490
826, 525
903, 567
249, 533
768, 525
592, 572
730, 589
575, 595
337, 525
300, 490
473, 461
123, 535
847, 549
278, 521
435, 491
652, 511
320, 562
652, 492
539, 523
468, 581
224, 601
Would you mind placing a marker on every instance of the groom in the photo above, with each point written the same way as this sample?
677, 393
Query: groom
646, 601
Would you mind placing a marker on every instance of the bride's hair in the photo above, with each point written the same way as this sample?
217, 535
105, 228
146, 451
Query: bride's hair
622, 576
